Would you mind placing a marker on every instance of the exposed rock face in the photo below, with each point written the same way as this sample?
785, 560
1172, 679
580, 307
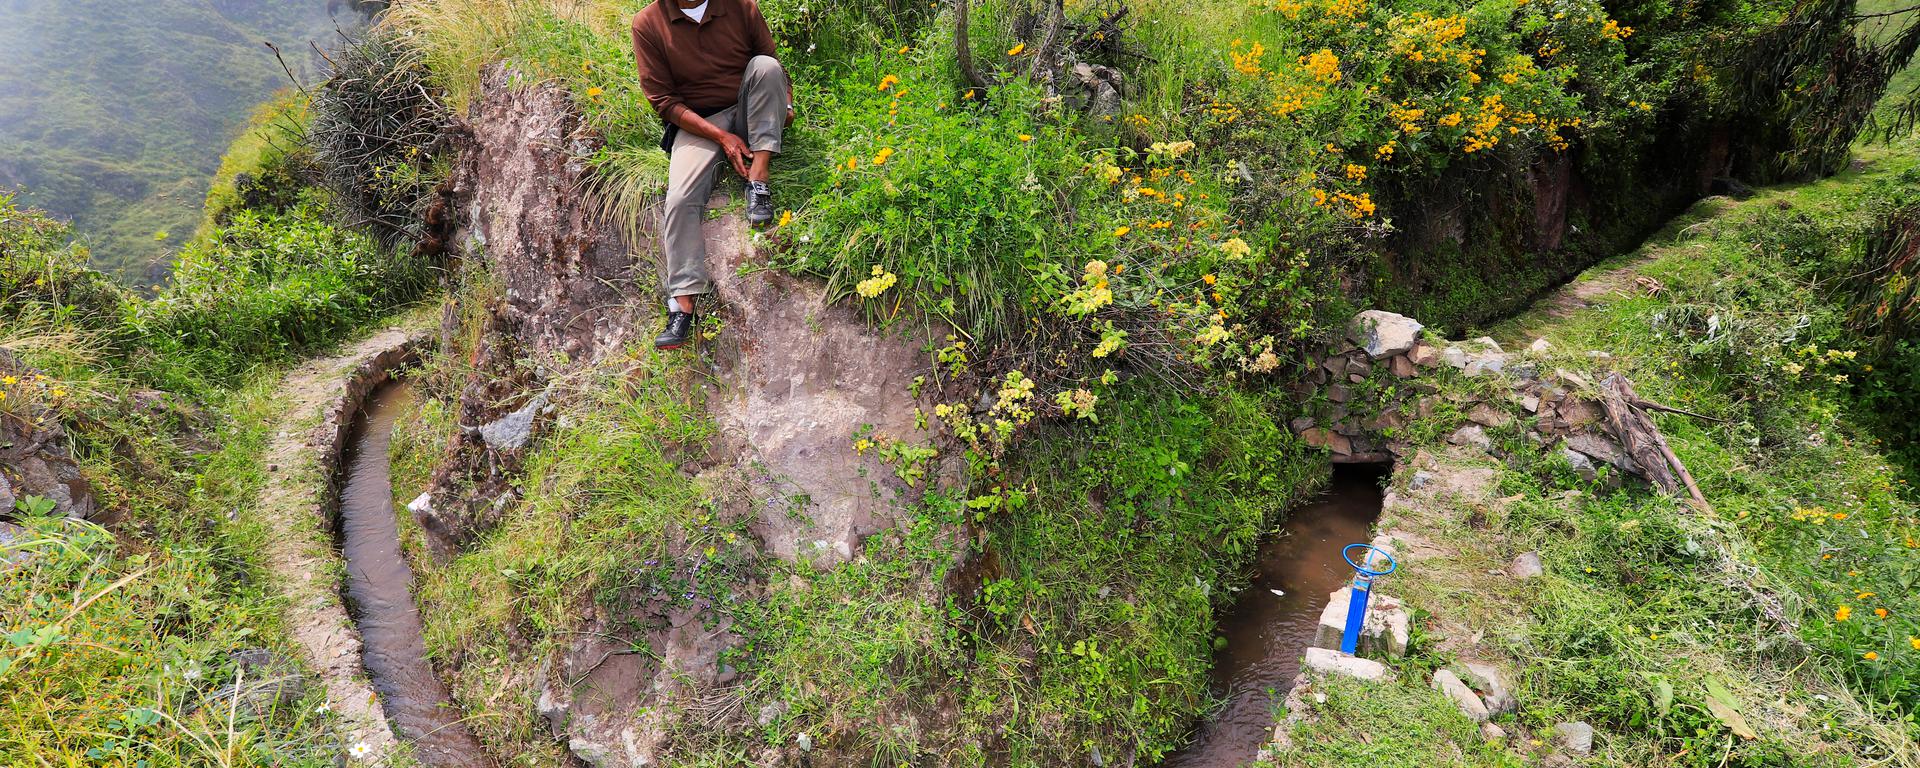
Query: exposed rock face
566, 275
35, 460
802, 378
565, 292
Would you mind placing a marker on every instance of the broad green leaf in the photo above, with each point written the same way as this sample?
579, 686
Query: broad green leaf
1726, 709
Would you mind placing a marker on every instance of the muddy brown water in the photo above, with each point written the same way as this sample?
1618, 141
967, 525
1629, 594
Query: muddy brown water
380, 595
1266, 633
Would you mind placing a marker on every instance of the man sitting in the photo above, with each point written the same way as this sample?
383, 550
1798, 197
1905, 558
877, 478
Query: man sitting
709, 71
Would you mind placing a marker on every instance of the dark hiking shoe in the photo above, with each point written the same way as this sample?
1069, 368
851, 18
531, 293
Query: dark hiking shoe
679, 329
759, 203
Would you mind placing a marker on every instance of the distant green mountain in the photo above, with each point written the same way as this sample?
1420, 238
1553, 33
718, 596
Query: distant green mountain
114, 114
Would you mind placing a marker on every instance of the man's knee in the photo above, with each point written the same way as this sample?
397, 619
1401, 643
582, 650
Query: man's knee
764, 66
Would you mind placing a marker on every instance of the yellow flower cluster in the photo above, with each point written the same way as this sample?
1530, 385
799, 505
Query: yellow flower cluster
1322, 65
877, 284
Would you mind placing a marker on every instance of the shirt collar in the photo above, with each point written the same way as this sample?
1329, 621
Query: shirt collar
675, 13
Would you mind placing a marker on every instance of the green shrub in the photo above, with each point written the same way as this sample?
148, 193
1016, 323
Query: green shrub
267, 285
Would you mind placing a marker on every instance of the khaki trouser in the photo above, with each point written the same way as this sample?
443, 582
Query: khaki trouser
758, 117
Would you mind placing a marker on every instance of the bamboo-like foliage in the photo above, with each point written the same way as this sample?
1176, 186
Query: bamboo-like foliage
1886, 290
1812, 82
378, 128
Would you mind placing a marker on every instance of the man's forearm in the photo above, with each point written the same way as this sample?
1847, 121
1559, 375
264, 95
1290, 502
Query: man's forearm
691, 122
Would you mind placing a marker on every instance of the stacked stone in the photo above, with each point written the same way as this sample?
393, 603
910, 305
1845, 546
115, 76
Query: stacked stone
1568, 416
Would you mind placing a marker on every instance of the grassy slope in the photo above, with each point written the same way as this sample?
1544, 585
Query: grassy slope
114, 114
1646, 601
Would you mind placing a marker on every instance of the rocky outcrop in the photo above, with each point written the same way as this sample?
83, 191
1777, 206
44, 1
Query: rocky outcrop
35, 461
796, 379
801, 379
551, 288
1556, 410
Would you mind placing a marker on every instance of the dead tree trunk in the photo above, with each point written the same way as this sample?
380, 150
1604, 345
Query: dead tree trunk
963, 49
1641, 439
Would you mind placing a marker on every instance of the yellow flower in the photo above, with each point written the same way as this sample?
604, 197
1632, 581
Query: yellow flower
1026, 137
862, 445
1122, 231
853, 163
786, 218
903, 49
9, 381
1236, 249
1323, 65
1913, 641
58, 392
1880, 612
1842, 613
594, 92
888, 82
969, 94
877, 284
1209, 279
881, 158
1017, 50
1870, 656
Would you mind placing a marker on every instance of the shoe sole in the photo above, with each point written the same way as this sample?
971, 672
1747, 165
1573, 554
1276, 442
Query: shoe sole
671, 348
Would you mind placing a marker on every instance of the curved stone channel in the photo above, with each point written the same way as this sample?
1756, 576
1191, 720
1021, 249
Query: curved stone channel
380, 595
1266, 633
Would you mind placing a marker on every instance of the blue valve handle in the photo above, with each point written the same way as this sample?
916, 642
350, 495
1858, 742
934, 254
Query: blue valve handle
1363, 577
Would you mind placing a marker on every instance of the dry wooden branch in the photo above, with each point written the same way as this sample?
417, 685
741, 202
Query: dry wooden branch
1640, 437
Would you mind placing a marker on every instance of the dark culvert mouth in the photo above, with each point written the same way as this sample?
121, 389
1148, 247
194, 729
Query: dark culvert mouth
380, 594
1265, 633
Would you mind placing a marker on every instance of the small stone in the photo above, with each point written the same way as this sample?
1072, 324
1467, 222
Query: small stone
1492, 734
1486, 343
1531, 403
1463, 697
10, 536
1424, 355
1383, 334
1492, 362
1526, 566
1331, 662
514, 430
1456, 357
1321, 437
1420, 480
1471, 435
1582, 465
1539, 347
1491, 684
1599, 355
1488, 416
1602, 449
1403, 367
1339, 393
1301, 424
1575, 737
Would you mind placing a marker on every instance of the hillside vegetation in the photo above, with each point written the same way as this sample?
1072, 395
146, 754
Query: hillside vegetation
1127, 231
113, 115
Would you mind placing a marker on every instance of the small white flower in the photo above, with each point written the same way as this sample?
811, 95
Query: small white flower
359, 750
805, 741
192, 673
323, 709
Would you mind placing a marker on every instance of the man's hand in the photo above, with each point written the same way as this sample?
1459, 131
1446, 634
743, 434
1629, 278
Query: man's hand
737, 151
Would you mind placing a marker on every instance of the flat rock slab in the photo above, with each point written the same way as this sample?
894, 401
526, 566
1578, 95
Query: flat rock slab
1330, 662
1449, 684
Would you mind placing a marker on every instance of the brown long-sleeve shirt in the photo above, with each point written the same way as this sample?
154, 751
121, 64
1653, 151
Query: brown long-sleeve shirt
697, 65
